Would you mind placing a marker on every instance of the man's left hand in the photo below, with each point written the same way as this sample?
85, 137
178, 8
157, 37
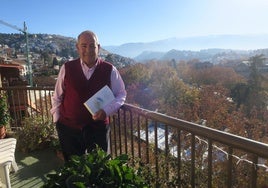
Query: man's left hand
99, 115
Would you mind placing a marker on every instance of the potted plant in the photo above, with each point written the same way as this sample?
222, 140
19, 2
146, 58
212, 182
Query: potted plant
4, 115
96, 169
35, 133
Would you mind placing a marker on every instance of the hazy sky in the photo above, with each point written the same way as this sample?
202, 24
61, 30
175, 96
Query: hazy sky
122, 21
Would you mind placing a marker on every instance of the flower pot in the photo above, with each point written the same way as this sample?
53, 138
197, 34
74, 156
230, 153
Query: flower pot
2, 132
60, 155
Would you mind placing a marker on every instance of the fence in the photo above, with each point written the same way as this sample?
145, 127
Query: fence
177, 153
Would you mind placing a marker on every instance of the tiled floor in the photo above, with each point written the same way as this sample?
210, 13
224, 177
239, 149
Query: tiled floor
33, 168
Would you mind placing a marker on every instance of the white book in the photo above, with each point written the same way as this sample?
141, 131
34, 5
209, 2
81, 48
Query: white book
100, 99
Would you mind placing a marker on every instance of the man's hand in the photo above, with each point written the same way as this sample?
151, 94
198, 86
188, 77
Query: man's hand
99, 115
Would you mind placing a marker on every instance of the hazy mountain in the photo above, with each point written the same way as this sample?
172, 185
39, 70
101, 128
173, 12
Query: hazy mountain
214, 56
235, 42
149, 55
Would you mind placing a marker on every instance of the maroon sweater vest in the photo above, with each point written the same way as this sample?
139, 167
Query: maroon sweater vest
78, 89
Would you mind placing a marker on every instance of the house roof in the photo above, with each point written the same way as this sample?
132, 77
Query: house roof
4, 65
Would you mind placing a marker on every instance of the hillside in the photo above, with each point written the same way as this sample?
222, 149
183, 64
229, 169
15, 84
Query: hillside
54, 44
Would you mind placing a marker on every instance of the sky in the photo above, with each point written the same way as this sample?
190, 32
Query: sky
125, 21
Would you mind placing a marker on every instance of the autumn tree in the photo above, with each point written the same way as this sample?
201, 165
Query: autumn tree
159, 86
137, 79
214, 107
215, 75
173, 96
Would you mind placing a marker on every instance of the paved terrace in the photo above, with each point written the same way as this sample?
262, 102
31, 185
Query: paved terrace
33, 168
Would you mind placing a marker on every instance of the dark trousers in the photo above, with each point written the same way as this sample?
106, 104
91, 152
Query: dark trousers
78, 142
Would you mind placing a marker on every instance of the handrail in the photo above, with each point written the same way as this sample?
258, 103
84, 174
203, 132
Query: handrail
236, 149
259, 148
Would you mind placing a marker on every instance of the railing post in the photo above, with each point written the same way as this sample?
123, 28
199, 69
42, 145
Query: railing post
156, 153
179, 155
193, 160
209, 163
254, 170
229, 167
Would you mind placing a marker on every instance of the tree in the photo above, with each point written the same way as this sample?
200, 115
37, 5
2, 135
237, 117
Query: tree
137, 78
137, 73
240, 93
172, 95
257, 96
46, 57
255, 76
55, 61
157, 85
215, 106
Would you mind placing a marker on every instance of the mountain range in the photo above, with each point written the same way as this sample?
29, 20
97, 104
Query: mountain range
158, 49
207, 48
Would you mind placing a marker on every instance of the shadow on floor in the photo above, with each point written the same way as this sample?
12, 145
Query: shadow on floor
33, 168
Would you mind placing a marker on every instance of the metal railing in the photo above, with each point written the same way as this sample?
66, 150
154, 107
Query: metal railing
28, 101
189, 154
177, 153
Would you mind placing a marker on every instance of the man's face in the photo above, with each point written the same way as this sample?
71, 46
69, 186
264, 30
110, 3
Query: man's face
88, 49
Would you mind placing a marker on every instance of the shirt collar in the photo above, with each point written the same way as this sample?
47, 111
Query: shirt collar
85, 66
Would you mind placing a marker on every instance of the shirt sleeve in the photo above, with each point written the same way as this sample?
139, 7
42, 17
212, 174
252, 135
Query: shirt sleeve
119, 91
58, 95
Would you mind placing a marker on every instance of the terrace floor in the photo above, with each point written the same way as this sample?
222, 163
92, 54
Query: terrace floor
33, 168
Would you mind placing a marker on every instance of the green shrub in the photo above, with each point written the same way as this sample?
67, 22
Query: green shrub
96, 169
35, 133
4, 113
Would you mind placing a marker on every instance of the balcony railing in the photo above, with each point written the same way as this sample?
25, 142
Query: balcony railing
177, 153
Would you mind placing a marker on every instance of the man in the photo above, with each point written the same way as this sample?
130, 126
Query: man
78, 80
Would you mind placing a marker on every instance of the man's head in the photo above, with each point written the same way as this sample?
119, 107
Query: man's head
88, 47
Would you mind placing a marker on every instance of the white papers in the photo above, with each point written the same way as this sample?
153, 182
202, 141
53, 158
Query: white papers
100, 99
